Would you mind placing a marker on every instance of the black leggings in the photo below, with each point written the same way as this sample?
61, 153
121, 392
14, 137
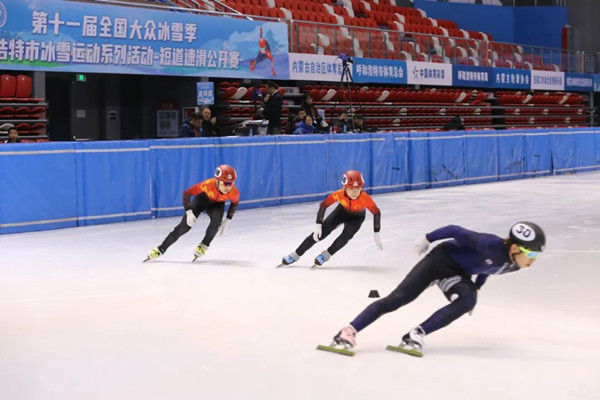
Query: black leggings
214, 211
435, 266
352, 223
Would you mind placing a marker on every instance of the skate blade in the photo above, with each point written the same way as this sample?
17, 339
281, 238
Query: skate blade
281, 265
411, 352
315, 266
147, 259
332, 349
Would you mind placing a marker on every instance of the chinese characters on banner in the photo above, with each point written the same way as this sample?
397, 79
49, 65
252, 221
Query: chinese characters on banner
315, 67
69, 36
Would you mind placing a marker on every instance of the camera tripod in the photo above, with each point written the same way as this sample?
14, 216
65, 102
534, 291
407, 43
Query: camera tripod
347, 86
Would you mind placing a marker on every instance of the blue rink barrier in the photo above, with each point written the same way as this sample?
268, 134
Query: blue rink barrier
56, 185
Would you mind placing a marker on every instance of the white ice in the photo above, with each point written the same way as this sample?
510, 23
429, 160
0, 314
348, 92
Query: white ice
81, 317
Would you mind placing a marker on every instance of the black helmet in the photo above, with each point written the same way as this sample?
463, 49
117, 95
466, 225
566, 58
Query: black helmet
528, 235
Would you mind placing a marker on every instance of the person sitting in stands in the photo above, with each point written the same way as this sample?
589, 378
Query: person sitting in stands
305, 127
191, 127
455, 124
294, 120
13, 136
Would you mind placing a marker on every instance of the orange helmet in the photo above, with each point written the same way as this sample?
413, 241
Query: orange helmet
262, 43
353, 179
225, 173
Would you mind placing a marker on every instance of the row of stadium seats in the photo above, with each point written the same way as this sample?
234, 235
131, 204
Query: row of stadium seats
18, 108
388, 108
437, 40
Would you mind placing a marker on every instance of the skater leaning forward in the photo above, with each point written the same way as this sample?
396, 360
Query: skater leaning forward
350, 212
451, 264
210, 196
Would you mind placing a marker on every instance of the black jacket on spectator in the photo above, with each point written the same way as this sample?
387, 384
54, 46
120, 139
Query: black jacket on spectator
455, 125
340, 124
187, 130
312, 111
272, 111
208, 129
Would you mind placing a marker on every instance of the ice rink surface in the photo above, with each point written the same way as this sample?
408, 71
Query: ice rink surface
81, 317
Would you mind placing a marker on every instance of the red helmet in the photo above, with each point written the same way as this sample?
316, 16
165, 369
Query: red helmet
262, 43
225, 173
353, 179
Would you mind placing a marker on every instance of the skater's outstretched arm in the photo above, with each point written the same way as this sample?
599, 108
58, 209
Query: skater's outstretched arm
480, 280
189, 192
372, 207
329, 200
475, 240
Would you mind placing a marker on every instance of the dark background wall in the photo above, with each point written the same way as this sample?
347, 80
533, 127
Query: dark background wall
112, 107
583, 17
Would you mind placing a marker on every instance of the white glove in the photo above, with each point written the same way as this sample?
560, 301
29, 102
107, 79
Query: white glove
378, 241
421, 245
317, 233
190, 218
223, 226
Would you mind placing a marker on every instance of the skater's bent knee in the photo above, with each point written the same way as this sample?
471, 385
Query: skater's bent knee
466, 302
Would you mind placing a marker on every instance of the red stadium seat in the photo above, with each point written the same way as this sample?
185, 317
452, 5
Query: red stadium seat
8, 86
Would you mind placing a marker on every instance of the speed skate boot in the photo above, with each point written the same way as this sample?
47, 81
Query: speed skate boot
346, 337
343, 342
154, 254
200, 250
289, 259
322, 259
415, 339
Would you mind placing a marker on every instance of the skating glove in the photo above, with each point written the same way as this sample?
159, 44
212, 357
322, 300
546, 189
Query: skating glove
318, 232
223, 226
190, 218
378, 241
421, 245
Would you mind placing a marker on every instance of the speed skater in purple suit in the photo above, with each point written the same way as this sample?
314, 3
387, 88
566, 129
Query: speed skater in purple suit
450, 265
264, 52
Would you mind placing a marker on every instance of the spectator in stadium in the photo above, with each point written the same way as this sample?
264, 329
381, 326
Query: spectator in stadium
259, 113
272, 110
208, 127
13, 136
309, 107
305, 126
191, 127
358, 124
340, 125
455, 124
294, 120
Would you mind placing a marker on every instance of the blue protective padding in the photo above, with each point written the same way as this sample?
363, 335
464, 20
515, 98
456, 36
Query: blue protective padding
37, 187
52, 185
417, 154
562, 145
302, 158
256, 162
597, 135
481, 156
511, 155
348, 152
113, 181
538, 154
389, 172
177, 164
585, 150
447, 158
